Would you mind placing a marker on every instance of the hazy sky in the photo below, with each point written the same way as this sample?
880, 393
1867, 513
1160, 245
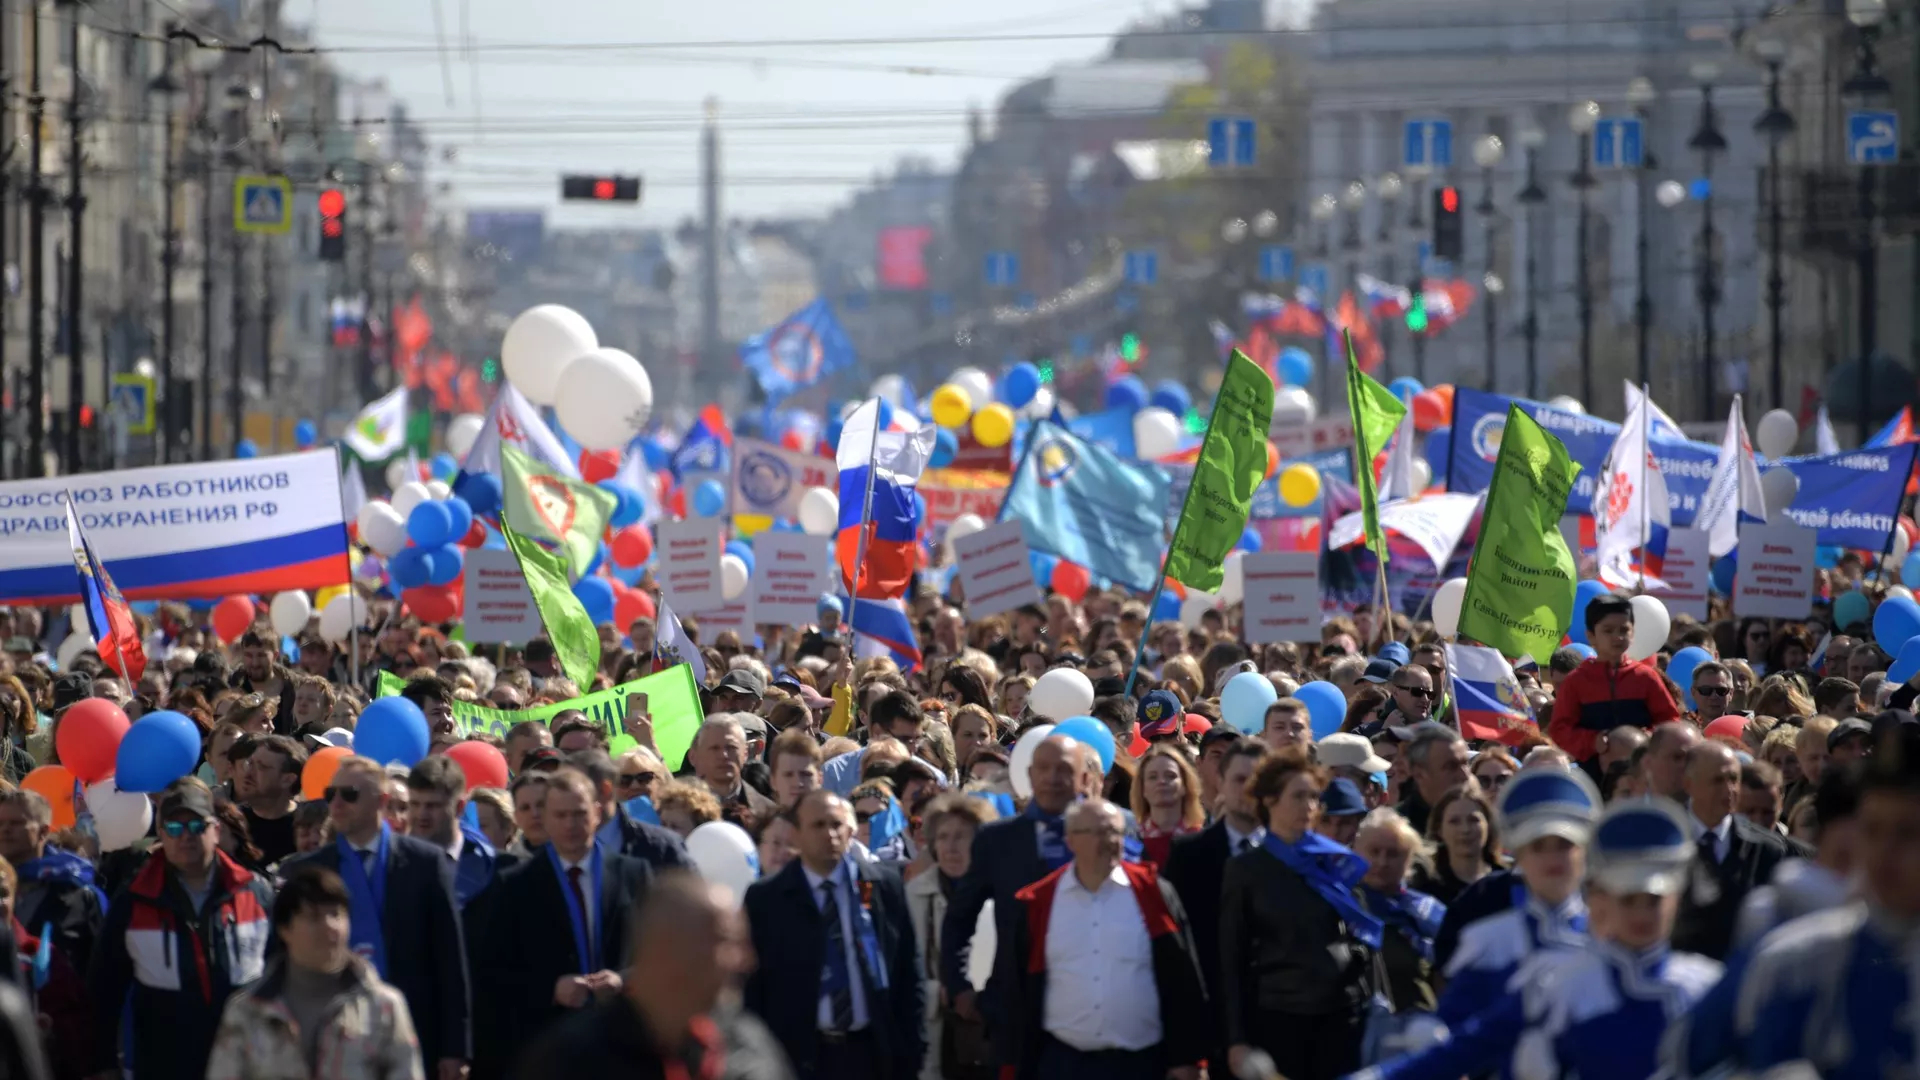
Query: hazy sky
804, 124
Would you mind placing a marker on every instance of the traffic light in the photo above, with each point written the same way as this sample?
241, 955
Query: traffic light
1046, 372
333, 225
490, 370
1130, 347
1417, 312
600, 188
1446, 223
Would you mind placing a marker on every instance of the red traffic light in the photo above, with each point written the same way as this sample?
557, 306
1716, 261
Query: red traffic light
1450, 199
333, 202
600, 188
603, 189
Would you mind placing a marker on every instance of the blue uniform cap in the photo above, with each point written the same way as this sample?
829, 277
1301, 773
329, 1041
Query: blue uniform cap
1643, 846
1548, 800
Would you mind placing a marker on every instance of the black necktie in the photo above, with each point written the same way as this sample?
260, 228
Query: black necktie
1245, 845
839, 973
1710, 849
366, 861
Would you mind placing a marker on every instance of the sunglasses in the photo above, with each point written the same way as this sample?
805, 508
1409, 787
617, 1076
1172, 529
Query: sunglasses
1712, 691
349, 795
1416, 691
178, 829
636, 779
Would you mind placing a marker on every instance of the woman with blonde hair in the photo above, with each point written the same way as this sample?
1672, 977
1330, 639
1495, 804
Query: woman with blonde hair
1166, 801
957, 1048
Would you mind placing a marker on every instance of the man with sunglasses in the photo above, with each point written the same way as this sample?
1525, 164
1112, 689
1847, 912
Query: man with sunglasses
1712, 689
190, 929
1411, 688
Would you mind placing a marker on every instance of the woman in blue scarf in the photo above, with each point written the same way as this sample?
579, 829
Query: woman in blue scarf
1298, 951
1388, 842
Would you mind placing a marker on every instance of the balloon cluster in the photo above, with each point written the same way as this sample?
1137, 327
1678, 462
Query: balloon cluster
967, 400
603, 396
422, 533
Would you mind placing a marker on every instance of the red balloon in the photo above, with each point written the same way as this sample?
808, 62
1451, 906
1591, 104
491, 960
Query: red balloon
484, 765
630, 605
87, 736
476, 535
794, 441
1071, 580
598, 465
1727, 729
631, 546
353, 532
433, 603
1429, 411
231, 618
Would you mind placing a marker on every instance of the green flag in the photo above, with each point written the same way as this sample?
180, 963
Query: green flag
547, 506
575, 640
1520, 583
1232, 463
1376, 412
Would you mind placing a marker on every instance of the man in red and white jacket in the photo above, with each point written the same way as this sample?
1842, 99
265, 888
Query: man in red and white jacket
1607, 690
1102, 976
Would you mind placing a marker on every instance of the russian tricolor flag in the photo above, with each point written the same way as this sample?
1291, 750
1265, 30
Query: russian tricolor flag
1487, 697
882, 628
115, 632
879, 515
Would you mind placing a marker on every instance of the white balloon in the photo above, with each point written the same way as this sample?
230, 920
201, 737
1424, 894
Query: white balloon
965, 525
462, 430
77, 616
724, 855
1651, 622
1042, 404
539, 345
398, 474
1022, 758
120, 818
1566, 403
289, 613
978, 385
1422, 474
1899, 590
341, 615
1447, 601
370, 512
1061, 693
846, 410
1195, 605
1779, 486
1901, 545
820, 512
603, 399
733, 576
384, 530
1776, 434
893, 388
1156, 433
409, 495
1233, 580
1293, 406
76, 643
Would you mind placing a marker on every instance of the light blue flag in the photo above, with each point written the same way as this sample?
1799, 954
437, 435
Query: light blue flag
798, 351
1082, 503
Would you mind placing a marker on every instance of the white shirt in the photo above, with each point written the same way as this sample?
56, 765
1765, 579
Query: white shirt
453, 849
1238, 841
1100, 989
586, 886
1722, 834
843, 896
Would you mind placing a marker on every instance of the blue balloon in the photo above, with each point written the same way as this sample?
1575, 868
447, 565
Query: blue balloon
1896, 619
1405, 387
408, 567
1168, 394
305, 434
392, 731
630, 506
1166, 606
709, 499
1326, 707
1586, 651
1250, 539
1019, 384
1827, 556
744, 550
1296, 366
443, 564
246, 448
1850, 608
655, 455
1127, 394
481, 492
1089, 732
1244, 701
1438, 449
834, 427
1042, 564
596, 595
919, 508
600, 556
462, 517
1680, 669
158, 749
1720, 577
1583, 595
946, 446
430, 524
1905, 666
886, 416
444, 466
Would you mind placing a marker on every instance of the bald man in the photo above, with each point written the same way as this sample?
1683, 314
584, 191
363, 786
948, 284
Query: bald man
1734, 856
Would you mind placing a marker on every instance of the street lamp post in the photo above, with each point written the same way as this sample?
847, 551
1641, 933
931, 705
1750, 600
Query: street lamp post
1707, 141
1582, 118
1488, 151
1532, 196
1775, 125
165, 87
1641, 95
1389, 187
1866, 84
1417, 280
1322, 213
1353, 199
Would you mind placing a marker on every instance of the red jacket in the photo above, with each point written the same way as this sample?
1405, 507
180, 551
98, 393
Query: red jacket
1596, 697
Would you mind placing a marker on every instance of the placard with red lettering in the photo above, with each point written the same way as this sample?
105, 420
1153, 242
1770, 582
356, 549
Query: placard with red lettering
790, 571
995, 570
1775, 577
737, 616
499, 608
689, 570
1685, 571
1282, 596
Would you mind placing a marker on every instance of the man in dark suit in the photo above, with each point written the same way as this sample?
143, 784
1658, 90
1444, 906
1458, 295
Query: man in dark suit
1734, 857
838, 980
662, 849
555, 927
403, 917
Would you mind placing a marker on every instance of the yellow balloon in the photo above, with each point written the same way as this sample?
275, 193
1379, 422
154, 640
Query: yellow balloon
320, 598
951, 406
1299, 485
993, 426
751, 524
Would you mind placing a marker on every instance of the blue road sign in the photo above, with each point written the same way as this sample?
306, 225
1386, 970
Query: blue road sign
1142, 267
1429, 144
1230, 142
1617, 143
940, 303
1873, 136
262, 204
1313, 278
1126, 302
1276, 262
1002, 268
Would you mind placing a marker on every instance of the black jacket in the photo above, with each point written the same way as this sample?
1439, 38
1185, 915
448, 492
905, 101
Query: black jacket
62, 890
789, 939
610, 1041
425, 948
1006, 859
1195, 869
659, 848
1711, 904
525, 944
1283, 949
1491, 895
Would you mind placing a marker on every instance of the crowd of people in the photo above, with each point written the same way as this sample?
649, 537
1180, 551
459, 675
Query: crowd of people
1687, 878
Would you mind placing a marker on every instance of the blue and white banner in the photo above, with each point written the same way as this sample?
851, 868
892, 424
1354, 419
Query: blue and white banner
1851, 499
769, 479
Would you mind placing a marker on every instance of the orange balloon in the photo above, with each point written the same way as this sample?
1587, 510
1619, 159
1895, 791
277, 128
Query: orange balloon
321, 766
55, 784
1273, 459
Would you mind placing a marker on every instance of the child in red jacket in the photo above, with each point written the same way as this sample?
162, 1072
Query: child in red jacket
1607, 690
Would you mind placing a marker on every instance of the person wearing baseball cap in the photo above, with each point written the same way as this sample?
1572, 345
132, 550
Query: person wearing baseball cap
1351, 756
1161, 716
1341, 808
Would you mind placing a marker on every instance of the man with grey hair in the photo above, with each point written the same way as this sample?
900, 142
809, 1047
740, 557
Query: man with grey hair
1436, 759
718, 755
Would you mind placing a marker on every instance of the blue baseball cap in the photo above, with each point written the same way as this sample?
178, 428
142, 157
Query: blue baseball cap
1396, 652
1160, 714
1342, 799
828, 603
1642, 846
1548, 800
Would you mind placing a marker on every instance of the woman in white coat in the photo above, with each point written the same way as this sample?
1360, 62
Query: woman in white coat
957, 1049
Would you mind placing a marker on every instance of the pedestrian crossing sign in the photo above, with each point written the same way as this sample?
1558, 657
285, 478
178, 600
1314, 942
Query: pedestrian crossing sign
132, 401
262, 204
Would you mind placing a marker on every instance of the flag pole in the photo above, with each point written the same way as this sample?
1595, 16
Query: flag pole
1026, 452
1160, 582
866, 513
1646, 452
353, 592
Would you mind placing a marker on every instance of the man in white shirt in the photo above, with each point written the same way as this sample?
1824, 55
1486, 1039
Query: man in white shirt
1733, 856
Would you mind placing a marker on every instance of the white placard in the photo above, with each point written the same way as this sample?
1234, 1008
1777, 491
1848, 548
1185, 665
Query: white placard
499, 607
790, 571
737, 617
995, 571
1686, 571
689, 570
1775, 578
1282, 590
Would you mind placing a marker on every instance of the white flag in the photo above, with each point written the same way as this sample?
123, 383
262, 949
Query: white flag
1734, 492
514, 420
1659, 424
1630, 507
1397, 481
899, 455
1824, 440
380, 431
672, 646
353, 492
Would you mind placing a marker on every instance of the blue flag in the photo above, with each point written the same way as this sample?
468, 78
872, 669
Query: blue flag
798, 351
1084, 504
